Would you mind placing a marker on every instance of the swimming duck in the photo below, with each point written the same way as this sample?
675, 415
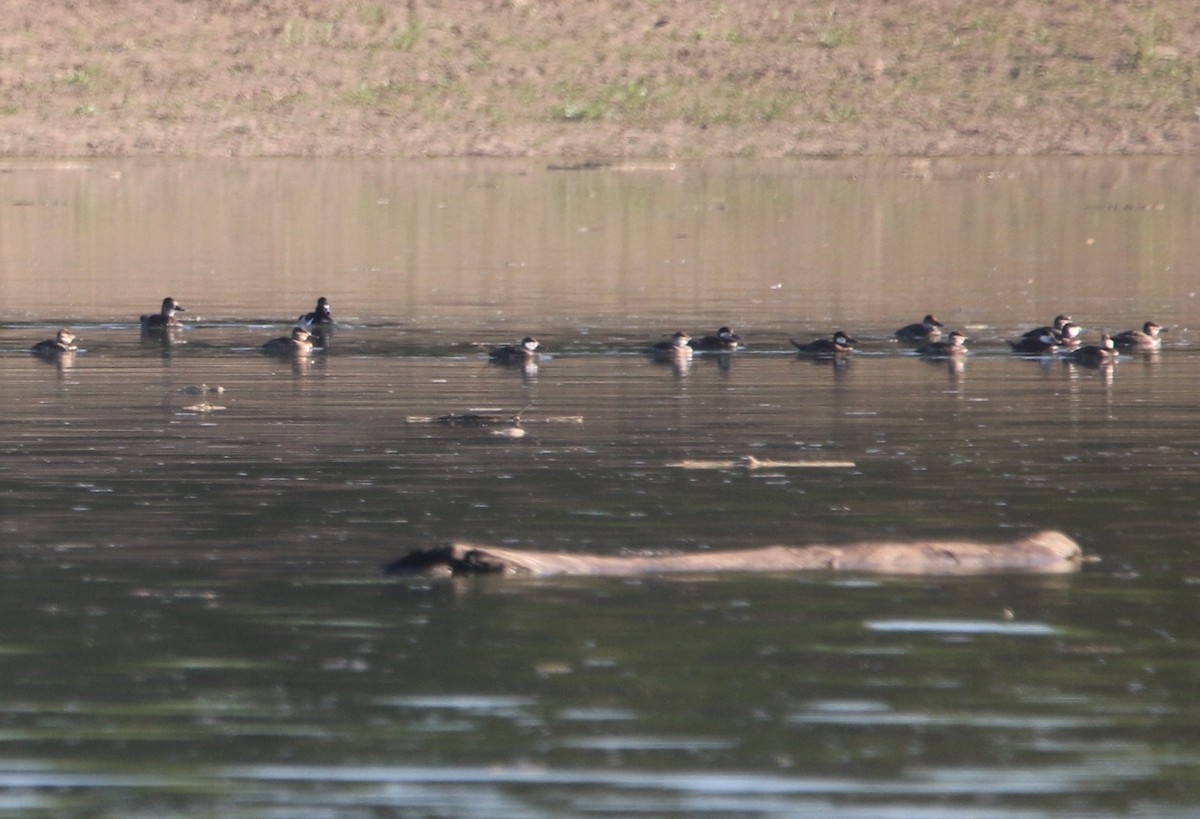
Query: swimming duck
927, 329
1070, 335
1147, 338
837, 344
321, 314
953, 345
1062, 330
296, 344
1095, 355
62, 344
516, 353
724, 341
675, 349
165, 318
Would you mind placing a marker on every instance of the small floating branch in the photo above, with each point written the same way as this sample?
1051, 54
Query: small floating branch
750, 462
481, 419
202, 407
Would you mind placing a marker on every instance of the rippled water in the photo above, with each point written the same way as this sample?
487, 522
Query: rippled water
194, 618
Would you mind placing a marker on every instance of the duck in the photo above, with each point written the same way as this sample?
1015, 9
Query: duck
1063, 330
1070, 335
516, 353
838, 343
295, 344
1095, 355
724, 341
63, 343
1147, 338
675, 349
927, 329
321, 314
955, 344
165, 318
1044, 344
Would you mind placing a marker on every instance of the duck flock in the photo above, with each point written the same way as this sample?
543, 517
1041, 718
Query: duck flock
1061, 338
311, 329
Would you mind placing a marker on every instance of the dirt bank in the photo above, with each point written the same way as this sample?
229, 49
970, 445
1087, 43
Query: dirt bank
579, 78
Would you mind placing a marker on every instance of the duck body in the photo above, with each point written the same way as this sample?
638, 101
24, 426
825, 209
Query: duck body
525, 352
62, 344
1095, 355
1147, 338
954, 345
295, 344
677, 348
1044, 344
724, 341
165, 318
927, 329
321, 314
838, 344
1062, 330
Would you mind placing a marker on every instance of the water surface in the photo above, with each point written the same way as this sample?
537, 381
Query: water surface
194, 619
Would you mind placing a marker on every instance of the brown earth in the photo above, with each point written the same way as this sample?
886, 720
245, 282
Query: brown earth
575, 78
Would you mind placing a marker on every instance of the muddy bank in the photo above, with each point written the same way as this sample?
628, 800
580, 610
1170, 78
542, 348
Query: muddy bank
575, 79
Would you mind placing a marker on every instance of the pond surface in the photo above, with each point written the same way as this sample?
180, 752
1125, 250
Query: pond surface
194, 622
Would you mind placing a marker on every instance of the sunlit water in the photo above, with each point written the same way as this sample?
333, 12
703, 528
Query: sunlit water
194, 622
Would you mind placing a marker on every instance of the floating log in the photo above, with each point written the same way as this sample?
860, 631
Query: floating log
1046, 552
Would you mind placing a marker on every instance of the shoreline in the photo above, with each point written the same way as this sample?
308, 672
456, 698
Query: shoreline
573, 80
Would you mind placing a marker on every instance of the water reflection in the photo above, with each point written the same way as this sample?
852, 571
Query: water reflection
454, 245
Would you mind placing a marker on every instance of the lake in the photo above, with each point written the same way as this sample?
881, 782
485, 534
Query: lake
194, 618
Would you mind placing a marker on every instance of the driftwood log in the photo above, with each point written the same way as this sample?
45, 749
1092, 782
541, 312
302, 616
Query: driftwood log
1046, 552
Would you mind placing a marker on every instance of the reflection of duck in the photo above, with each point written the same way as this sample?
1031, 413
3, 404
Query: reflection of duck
295, 344
62, 344
927, 329
1095, 355
165, 318
1147, 338
724, 341
955, 344
838, 343
674, 350
321, 314
522, 353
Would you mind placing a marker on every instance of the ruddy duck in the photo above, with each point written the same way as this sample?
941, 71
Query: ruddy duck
1147, 338
953, 345
839, 343
62, 344
1095, 355
928, 329
725, 341
165, 318
1062, 330
675, 349
321, 314
296, 344
521, 353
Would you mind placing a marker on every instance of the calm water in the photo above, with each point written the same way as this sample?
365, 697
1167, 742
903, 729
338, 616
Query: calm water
193, 619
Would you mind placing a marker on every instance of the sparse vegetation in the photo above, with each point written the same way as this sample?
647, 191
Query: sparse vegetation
82, 78
407, 37
711, 78
613, 103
